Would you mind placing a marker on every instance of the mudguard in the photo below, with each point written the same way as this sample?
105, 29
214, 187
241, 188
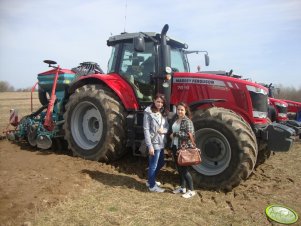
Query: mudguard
280, 137
196, 104
115, 82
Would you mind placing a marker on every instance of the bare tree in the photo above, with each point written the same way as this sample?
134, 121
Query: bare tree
6, 87
289, 93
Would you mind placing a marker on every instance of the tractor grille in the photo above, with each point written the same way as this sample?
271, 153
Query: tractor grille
259, 102
281, 109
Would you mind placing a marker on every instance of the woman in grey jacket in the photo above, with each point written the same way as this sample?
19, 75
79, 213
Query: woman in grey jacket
155, 127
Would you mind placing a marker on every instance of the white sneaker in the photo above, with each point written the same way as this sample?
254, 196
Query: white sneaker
157, 183
179, 190
156, 189
189, 194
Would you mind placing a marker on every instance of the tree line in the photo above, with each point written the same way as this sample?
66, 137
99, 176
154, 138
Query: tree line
288, 93
6, 87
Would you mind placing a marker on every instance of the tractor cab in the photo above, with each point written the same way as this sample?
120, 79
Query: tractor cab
146, 61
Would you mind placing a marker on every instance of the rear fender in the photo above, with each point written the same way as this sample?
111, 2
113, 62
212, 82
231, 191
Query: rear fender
194, 105
219, 103
113, 81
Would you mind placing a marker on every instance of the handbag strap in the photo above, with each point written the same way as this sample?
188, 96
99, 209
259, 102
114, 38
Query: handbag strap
191, 139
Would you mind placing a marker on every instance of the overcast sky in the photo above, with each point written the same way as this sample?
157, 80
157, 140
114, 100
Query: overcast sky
260, 39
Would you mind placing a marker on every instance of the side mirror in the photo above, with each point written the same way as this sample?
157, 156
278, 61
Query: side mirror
139, 44
207, 60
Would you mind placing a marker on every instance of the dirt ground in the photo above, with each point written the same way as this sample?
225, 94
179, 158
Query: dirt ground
54, 188
34, 181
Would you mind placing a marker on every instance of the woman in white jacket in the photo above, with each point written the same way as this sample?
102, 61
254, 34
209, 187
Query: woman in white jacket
155, 127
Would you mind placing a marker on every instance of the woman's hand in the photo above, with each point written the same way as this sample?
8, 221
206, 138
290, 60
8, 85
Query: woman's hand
169, 152
160, 131
174, 135
151, 151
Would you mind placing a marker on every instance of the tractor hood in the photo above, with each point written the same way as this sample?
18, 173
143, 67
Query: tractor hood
277, 102
247, 98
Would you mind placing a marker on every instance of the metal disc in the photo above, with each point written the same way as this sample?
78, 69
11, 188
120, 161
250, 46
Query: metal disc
32, 135
281, 214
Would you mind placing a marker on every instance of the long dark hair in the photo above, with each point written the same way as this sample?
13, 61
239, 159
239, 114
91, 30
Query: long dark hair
187, 109
163, 110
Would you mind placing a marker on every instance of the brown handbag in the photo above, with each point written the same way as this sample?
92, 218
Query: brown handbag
189, 156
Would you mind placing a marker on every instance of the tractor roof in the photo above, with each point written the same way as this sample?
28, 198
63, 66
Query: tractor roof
128, 37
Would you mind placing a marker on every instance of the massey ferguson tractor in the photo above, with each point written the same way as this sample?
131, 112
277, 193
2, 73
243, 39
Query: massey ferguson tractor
278, 110
293, 107
101, 115
294, 110
283, 111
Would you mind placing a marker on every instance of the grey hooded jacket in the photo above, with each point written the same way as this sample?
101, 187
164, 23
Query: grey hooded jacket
151, 124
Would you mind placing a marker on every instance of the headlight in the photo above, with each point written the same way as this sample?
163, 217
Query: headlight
259, 114
168, 70
257, 89
281, 104
282, 115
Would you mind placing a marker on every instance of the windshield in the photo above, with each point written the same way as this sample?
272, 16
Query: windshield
178, 61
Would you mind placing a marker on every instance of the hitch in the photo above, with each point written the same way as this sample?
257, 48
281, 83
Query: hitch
49, 124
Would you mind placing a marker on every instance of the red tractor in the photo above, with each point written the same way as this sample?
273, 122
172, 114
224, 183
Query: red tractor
103, 113
294, 110
278, 110
293, 107
284, 111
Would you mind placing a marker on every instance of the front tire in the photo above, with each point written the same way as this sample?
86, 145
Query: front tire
229, 149
94, 124
263, 153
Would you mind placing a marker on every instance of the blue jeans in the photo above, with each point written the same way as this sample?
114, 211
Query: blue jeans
185, 176
155, 163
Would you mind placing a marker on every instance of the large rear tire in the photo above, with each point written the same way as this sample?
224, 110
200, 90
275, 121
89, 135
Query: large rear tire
95, 124
229, 149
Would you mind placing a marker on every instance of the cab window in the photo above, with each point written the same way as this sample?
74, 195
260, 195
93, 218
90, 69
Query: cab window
137, 67
178, 61
113, 58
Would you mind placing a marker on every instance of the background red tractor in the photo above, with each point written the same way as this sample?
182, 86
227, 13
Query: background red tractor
284, 111
101, 115
293, 107
294, 110
278, 110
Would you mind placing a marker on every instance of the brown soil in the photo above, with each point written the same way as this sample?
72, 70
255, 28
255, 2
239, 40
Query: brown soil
33, 181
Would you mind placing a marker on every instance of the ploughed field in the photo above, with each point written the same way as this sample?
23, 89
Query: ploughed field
53, 188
